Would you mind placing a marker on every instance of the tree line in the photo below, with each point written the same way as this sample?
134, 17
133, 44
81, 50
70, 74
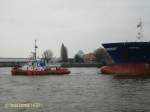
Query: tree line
100, 54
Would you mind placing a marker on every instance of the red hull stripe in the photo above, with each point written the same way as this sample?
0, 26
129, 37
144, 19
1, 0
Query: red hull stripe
126, 69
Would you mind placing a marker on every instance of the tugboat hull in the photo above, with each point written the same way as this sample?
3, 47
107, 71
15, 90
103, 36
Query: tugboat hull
37, 72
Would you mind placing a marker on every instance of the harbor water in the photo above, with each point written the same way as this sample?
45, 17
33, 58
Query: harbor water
84, 90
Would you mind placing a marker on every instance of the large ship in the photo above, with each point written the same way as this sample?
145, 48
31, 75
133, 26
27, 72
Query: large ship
129, 52
130, 58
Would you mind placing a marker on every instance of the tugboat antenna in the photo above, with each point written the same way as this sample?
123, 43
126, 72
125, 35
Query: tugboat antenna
35, 49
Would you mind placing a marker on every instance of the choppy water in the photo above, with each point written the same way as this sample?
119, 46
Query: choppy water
84, 90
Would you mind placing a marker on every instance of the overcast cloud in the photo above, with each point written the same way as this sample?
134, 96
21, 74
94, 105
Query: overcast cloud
79, 24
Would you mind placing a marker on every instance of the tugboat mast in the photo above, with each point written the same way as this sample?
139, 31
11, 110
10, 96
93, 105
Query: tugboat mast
35, 49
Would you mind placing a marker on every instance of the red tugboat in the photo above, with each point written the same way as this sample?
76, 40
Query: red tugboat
37, 68
50, 70
130, 58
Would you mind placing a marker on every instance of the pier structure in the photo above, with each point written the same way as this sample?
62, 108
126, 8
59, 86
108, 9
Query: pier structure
10, 62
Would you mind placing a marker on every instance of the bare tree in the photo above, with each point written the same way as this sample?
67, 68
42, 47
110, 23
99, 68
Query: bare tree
31, 56
102, 56
79, 57
47, 55
80, 53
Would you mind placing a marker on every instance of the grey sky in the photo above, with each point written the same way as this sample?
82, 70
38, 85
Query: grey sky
79, 24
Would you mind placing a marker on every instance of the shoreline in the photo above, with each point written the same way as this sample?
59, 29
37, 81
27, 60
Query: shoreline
81, 64
62, 64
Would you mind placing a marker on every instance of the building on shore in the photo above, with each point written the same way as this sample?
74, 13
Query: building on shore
89, 58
